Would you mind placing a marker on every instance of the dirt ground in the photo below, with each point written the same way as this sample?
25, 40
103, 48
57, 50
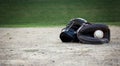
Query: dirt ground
42, 47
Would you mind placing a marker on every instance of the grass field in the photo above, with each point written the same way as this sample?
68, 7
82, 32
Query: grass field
36, 13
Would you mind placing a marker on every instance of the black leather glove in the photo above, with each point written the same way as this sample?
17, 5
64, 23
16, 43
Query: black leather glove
85, 34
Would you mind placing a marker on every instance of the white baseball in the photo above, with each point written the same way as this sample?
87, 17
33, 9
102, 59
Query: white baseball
98, 34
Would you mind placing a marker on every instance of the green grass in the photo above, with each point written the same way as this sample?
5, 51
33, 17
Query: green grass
36, 13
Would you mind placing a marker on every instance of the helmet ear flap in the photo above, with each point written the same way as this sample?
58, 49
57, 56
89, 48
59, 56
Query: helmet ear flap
65, 37
68, 36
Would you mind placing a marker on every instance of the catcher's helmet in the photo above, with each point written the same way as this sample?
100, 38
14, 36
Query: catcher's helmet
68, 34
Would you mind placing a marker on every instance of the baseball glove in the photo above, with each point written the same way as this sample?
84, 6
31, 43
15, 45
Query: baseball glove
85, 33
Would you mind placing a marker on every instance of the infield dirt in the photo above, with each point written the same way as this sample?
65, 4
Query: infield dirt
42, 47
